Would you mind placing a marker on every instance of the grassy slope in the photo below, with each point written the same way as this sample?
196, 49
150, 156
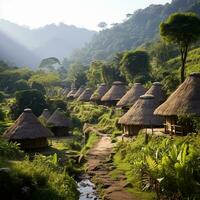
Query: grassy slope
193, 61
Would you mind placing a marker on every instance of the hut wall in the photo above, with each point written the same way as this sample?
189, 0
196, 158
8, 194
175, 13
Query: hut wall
31, 143
60, 131
171, 126
131, 130
110, 103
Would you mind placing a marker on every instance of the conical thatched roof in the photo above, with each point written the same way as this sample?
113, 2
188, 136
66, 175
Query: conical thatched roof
116, 92
79, 92
157, 91
185, 100
27, 126
45, 114
85, 96
59, 119
99, 92
132, 95
141, 113
66, 91
72, 93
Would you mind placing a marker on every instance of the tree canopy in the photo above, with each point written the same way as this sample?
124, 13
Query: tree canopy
182, 29
135, 66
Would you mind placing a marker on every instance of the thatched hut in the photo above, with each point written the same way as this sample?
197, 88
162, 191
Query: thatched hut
185, 100
71, 94
99, 93
59, 123
85, 96
45, 114
65, 91
157, 91
28, 132
114, 94
140, 116
131, 96
79, 92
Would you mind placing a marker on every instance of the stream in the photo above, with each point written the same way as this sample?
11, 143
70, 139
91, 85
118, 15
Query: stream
87, 189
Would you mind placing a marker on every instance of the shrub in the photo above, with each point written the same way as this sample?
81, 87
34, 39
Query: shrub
170, 167
9, 150
43, 179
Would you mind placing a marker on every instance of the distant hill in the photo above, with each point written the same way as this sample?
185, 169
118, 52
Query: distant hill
14, 53
51, 40
142, 26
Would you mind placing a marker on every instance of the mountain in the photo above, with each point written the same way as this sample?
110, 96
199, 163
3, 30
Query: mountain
48, 41
140, 27
14, 53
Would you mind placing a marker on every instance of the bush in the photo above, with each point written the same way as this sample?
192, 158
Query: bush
170, 167
9, 150
33, 99
42, 178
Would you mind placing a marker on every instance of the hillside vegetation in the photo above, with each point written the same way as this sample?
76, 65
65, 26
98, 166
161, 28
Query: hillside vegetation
142, 26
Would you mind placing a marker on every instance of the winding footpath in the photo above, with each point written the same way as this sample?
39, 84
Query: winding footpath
99, 168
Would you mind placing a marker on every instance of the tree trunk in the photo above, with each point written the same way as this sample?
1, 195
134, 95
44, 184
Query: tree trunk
184, 53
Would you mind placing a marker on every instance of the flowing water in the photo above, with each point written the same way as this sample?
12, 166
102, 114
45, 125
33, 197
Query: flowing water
87, 190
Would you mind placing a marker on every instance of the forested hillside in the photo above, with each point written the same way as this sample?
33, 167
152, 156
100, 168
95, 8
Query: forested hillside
140, 27
35, 44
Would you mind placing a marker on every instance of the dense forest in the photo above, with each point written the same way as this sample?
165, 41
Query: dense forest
61, 140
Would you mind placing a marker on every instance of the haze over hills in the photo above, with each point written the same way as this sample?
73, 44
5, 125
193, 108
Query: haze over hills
26, 46
140, 27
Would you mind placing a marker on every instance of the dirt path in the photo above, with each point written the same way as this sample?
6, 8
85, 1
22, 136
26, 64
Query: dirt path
99, 168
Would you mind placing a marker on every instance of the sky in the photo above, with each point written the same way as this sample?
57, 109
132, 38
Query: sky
81, 13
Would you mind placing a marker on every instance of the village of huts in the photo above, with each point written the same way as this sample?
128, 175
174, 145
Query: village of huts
116, 118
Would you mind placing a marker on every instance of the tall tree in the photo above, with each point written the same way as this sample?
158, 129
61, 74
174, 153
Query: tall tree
182, 29
77, 74
135, 66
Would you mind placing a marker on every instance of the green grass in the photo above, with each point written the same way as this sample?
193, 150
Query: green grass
193, 62
93, 138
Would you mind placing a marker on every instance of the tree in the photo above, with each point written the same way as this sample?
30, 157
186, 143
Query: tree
134, 66
182, 29
38, 86
77, 75
50, 64
33, 99
102, 25
21, 85
94, 73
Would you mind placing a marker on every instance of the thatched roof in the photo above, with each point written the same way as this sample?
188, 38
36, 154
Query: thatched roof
72, 93
132, 95
99, 92
185, 100
141, 113
27, 126
66, 91
79, 92
157, 91
59, 119
116, 92
85, 96
45, 114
